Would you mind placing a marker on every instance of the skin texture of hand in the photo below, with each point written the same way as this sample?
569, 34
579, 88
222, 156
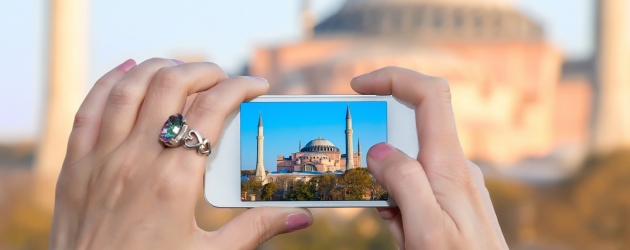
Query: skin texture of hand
441, 196
120, 188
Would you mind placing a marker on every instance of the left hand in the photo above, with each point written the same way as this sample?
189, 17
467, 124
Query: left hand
120, 188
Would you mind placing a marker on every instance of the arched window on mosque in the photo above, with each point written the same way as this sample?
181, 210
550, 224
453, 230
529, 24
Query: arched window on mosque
308, 167
417, 18
397, 20
458, 18
438, 18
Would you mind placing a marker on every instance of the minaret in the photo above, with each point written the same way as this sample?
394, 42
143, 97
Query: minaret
260, 168
67, 72
359, 152
308, 19
300, 148
349, 153
612, 122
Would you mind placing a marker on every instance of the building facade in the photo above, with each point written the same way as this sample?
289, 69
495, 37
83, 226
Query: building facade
510, 98
321, 155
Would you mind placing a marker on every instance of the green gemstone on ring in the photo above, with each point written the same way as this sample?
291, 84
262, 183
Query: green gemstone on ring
171, 128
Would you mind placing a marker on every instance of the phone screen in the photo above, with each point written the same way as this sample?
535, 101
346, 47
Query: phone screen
310, 151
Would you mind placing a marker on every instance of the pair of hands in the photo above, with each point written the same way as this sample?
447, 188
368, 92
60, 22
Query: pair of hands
120, 188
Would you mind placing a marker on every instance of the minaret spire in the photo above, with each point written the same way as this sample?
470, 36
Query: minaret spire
349, 153
308, 19
359, 162
300, 148
260, 168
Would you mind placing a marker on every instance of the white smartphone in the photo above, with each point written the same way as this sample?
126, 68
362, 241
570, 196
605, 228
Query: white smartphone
306, 151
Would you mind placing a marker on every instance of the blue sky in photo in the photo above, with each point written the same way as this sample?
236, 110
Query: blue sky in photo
285, 123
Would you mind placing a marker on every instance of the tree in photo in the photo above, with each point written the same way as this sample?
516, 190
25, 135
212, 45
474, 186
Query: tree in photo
377, 192
357, 183
302, 191
325, 184
255, 186
268, 190
248, 172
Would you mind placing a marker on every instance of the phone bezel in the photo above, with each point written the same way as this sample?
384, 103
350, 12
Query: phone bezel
221, 179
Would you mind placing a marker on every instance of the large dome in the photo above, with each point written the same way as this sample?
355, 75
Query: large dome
430, 20
319, 145
499, 4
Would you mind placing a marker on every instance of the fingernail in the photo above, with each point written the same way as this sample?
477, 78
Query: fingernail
297, 222
258, 78
380, 151
127, 65
179, 62
359, 76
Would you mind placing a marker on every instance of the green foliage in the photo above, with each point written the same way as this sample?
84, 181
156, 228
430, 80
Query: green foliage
357, 183
302, 191
268, 191
324, 185
255, 185
589, 211
377, 192
354, 184
248, 172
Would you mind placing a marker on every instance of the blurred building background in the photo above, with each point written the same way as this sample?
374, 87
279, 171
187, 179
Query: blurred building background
551, 131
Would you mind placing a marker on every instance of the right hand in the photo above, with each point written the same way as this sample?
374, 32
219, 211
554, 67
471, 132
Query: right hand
442, 200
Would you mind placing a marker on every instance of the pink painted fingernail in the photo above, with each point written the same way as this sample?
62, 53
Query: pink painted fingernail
380, 151
179, 62
127, 65
297, 222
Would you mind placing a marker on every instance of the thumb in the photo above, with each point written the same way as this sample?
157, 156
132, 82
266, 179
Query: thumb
255, 226
406, 182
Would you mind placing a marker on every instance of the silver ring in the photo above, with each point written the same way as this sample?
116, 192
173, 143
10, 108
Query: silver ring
176, 133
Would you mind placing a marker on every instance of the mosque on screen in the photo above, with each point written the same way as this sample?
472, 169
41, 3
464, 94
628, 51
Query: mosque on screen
318, 157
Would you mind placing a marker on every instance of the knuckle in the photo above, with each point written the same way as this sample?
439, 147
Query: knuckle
164, 188
459, 176
69, 187
207, 103
63, 188
208, 67
215, 67
126, 170
475, 171
167, 77
403, 170
103, 82
442, 88
262, 228
157, 60
170, 183
82, 120
391, 68
122, 94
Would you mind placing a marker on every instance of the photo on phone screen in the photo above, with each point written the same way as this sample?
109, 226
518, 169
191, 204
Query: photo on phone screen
310, 151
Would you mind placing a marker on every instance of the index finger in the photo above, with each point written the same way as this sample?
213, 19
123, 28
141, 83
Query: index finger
440, 151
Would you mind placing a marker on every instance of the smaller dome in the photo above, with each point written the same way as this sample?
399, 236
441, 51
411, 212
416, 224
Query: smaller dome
244, 179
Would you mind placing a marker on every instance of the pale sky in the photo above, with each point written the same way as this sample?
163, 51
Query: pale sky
225, 32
